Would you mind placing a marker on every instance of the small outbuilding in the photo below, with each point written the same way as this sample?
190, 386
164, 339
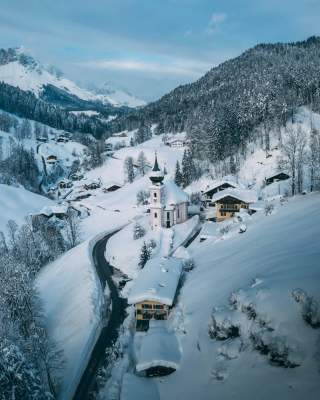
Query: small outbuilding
92, 185
76, 176
280, 176
159, 353
65, 184
111, 187
154, 292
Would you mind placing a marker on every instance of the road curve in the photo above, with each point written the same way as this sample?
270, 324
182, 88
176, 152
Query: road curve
109, 333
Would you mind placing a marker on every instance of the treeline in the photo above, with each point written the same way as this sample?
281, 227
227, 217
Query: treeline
20, 168
220, 111
27, 105
30, 362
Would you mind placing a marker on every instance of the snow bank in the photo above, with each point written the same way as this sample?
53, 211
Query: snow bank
159, 347
73, 301
136, 388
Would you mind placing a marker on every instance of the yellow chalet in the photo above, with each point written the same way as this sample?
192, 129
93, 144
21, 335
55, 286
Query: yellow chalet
154, 290
230, 201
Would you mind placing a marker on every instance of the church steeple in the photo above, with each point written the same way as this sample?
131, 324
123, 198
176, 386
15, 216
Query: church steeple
156, 175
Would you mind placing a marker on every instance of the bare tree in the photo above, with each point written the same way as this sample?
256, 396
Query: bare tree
294, 150
142, 163
72, 228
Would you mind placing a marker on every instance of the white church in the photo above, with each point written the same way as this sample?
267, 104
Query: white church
168, 203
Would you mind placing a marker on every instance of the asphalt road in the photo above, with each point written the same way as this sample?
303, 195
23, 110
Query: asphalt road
109, 333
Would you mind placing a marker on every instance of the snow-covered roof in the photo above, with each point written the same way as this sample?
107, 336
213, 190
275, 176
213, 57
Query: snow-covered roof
134, 388
248, 196
158, 281
173, 194
51, 210
159, 348
218, 183
112, 183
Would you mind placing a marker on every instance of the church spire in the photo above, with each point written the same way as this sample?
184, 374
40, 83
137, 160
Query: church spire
156, 165
156, 175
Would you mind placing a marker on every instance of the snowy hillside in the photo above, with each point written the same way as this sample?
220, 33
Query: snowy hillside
21, 70
260, 271
18, 203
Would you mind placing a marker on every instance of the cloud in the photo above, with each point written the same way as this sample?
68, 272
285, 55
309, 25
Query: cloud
178, 67
215, 21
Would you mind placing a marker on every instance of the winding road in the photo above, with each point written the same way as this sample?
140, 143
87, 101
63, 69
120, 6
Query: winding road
109, 333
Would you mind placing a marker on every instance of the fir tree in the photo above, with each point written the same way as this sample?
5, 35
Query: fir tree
178, 175
129, 169
145, 255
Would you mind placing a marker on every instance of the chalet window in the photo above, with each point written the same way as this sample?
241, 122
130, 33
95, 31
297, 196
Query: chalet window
139, 312
178, 213
147, 306
168, 215
155, 215
158, 306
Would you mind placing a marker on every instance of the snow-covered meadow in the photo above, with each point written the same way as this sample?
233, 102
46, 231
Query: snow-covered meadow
261, 267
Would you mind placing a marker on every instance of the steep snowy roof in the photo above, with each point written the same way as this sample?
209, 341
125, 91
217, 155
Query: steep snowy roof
158, 281
159, 348
51, 210
248, 196
216, 184
173, 194
135, 388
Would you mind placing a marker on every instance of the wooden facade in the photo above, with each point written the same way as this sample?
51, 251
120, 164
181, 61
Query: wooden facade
281, 176
228, 206
147, 310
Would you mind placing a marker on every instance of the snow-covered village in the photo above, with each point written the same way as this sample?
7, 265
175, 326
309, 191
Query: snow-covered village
160, 200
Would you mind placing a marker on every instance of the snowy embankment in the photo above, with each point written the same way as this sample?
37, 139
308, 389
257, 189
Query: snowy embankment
17, 203
241, 322
73, 304
123, 251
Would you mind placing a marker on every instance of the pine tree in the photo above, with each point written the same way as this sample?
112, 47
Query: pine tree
145, 255
189, 172
178, 175
129, 169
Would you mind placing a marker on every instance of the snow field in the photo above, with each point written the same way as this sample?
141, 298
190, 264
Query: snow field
245, 283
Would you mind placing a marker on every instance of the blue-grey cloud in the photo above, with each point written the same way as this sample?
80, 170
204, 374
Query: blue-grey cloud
149, 46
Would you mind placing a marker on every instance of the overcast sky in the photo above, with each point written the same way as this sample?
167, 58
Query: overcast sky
149, 46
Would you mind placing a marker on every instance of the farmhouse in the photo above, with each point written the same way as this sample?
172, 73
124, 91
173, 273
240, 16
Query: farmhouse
230, 201
168, 203
76, 176
111, 187
280, 176
153, 294
159, 352
92, 185
217, 187
65, 184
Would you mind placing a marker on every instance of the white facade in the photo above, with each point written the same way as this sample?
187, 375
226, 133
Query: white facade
168, 205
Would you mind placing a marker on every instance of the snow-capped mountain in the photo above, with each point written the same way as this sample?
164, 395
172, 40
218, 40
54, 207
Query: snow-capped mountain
117, 96
19, 69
